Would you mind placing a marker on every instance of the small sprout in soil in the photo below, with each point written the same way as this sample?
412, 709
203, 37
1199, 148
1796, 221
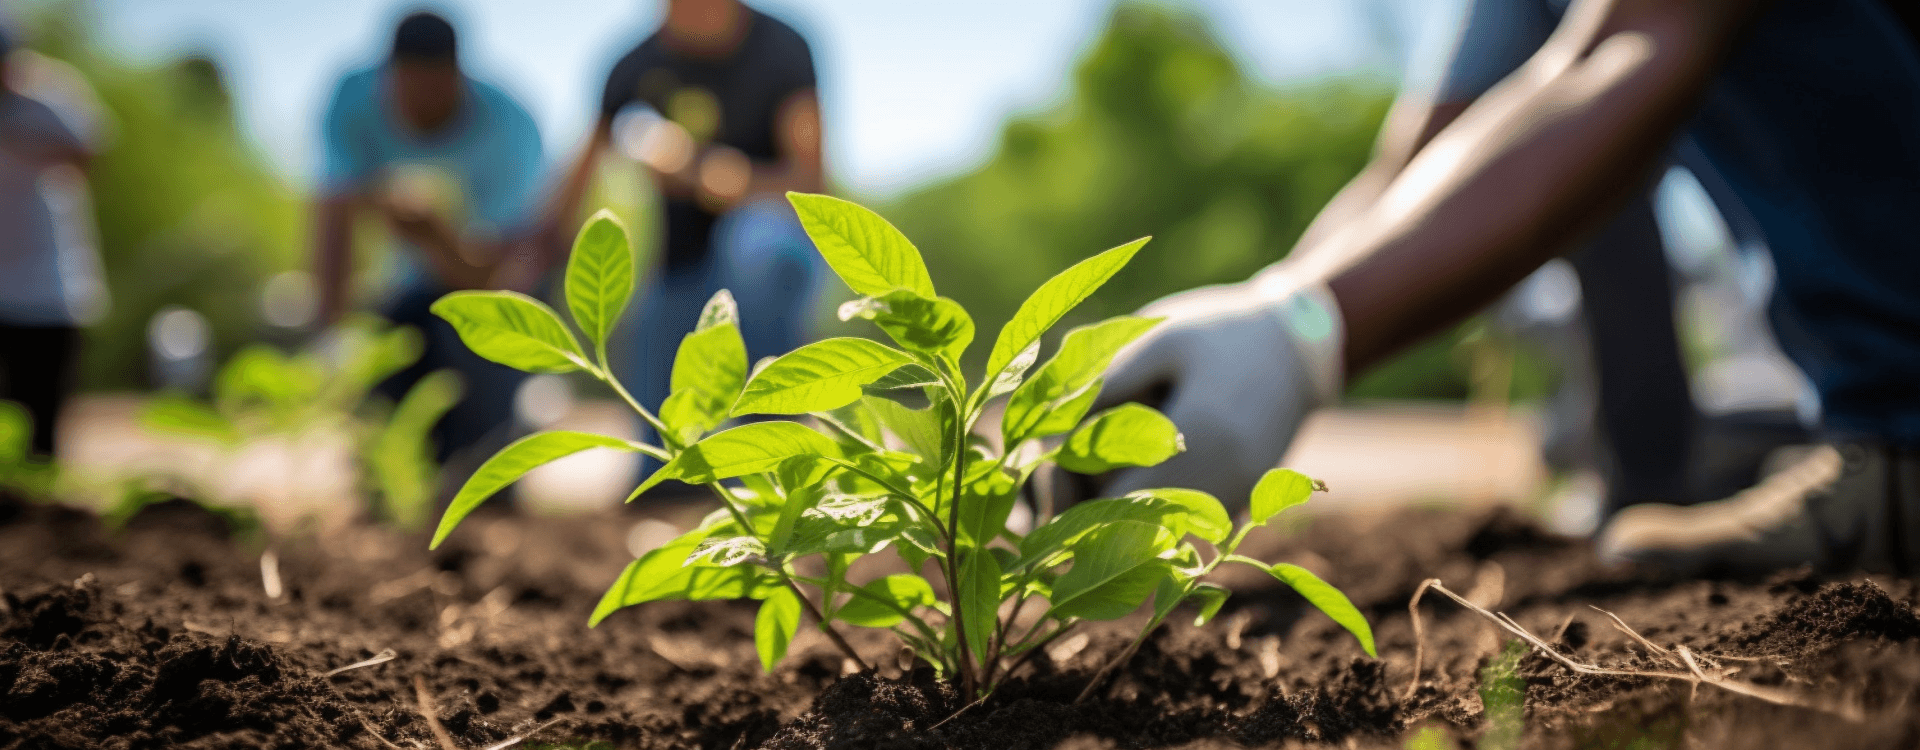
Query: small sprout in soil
1503, 698
262, 392
20, 471
895, 464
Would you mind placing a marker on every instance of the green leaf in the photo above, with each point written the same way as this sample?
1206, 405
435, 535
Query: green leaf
1324, 597
1278, 490
1211, 597
172, 415
512, 329
820, 376
600, 276
1115, 568
402, 456
840, 524
775, 626
1205, 516
1011, 375
708, 371
660, 576
513, 462
935, 326
726, 552
980, 599
16, 433
747, 449
1074, 522
868, 253
1066, 416
1070, 379
1169, 591
1054, 299
1125, 435
887, 601
920, 429
1119, 596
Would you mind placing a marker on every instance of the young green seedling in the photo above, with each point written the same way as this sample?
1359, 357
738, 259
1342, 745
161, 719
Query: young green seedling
889, 460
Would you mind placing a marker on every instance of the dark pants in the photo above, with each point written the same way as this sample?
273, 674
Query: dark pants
37, 365
483, 419
1646, 412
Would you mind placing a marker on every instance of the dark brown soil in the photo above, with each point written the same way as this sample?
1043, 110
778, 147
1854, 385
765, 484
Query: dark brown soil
160, 635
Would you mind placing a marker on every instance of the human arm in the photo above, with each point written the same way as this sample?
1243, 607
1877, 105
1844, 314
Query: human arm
726, 177
333, 254
1546, 154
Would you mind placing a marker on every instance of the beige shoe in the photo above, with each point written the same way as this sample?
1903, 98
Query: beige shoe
1838, 508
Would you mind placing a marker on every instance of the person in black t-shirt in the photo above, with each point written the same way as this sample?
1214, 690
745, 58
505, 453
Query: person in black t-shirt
719, 105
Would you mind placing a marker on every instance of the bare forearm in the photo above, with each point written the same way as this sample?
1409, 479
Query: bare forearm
1522, 173
333, 256
572, 190
1411, 124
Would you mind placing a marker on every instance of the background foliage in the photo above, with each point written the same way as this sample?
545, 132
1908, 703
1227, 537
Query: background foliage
1160, 131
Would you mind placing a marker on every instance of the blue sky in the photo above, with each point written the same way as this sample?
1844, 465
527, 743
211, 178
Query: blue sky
912, 89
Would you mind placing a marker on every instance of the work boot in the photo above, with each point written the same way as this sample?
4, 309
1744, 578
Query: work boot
1839, 508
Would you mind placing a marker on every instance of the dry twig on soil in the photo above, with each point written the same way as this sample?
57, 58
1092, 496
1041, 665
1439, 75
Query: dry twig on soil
385, 655
1679, 655
433, 720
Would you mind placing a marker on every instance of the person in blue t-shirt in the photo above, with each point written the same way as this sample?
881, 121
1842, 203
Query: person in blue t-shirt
453, 167
1806, 111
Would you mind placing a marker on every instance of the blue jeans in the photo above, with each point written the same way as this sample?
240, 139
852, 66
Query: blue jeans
760, 253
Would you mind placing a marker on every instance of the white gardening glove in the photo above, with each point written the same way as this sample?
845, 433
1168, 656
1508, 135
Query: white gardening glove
1237, 367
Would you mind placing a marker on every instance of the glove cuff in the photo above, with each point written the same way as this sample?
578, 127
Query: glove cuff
1311, 318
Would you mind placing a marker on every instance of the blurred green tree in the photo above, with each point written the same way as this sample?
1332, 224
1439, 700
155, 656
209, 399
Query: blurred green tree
189, 213
1161, 133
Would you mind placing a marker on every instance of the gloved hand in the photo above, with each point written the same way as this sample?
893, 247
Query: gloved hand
1240, 366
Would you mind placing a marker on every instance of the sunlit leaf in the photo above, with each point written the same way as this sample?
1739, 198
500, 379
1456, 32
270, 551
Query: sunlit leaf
747, 449
709, 370
1013, 373
775, 626
512, 329
1115, 568
820, 376
1125, 435
1071, 378
1278, 490
1211, 597
936, 326
979, 599
599, 276
868, 253
1205, 517
726, 552
1076, 521
660, 576
887, 601
1054, 299
513, 462
1326, 598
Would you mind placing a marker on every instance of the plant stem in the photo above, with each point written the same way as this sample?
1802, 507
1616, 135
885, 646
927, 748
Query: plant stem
967, 672
1036, 648
740, 517
1000, 638
667, 437
1118, 660
825, 626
